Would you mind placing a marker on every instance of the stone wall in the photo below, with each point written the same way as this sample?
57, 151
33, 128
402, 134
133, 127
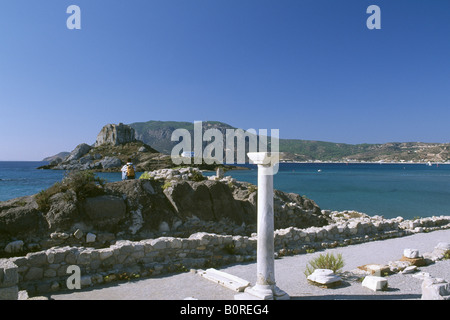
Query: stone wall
46, 271
8, 280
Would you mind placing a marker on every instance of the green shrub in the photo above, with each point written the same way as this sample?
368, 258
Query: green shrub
146, 175
447, 255
328, 261
83, 183
252, 188
43, 197
166, 185
197, 176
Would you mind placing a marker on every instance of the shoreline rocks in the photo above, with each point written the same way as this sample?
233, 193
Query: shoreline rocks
169, 202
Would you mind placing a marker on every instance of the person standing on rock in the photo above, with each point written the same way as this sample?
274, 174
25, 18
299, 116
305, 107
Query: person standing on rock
128, 171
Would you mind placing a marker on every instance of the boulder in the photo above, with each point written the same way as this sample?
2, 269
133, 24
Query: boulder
19, 217
105, 212
207, 200
435, 289
145, 202
63, 212
14, 246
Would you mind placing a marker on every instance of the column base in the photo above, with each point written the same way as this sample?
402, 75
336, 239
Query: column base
262, 292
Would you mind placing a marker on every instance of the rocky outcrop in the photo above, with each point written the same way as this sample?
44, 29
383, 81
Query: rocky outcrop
115, 134
111, 158
208, 200
78, 152
57, 157
20, 217
180, 205
105, 212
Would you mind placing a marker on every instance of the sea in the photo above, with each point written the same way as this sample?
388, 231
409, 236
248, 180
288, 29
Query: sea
389, 190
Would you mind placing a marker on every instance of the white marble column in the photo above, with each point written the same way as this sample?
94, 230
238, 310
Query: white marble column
265, 287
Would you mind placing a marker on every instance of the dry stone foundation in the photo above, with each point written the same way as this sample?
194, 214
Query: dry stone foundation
8, 280
46, 271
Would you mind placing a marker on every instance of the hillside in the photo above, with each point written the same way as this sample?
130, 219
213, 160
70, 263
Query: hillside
158, 133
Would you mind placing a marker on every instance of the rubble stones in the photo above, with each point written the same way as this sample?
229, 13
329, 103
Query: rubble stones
435, 289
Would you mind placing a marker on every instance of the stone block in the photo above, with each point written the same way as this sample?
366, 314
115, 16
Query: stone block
90, 237
159, 244
324, 277
34, 273
225, 279
411, 253
78, 234
435, 289
375, 269
419, 262
9, 293
410, 269
37, 259
106, 253
375, 283
8, 273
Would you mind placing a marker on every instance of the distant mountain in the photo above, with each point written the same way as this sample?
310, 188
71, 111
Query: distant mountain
158, 135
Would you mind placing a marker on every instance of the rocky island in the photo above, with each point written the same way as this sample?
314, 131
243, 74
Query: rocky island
114, 145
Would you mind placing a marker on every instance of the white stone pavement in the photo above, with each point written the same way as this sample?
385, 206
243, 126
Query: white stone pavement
289, 276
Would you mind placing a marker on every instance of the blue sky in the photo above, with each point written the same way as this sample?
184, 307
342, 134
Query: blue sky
310, 68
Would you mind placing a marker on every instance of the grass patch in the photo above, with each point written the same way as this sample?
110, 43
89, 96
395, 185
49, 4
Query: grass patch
327, 261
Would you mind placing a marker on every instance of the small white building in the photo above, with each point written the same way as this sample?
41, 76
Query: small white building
187, 154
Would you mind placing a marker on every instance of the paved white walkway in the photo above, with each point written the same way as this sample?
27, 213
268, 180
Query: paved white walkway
289, 276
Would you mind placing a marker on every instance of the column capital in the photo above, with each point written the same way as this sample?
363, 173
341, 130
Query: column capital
264, 158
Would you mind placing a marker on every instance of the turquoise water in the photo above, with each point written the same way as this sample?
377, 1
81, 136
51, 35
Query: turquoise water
391, 190
21, 178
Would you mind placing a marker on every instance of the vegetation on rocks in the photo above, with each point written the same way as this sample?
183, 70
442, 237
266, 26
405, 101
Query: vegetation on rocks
83, 183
